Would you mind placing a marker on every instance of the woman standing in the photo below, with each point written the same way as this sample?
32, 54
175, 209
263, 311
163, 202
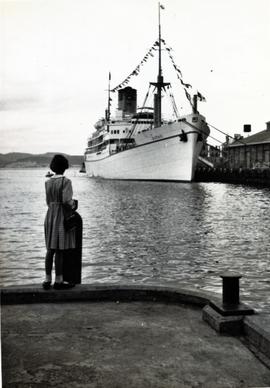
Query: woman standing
58, 192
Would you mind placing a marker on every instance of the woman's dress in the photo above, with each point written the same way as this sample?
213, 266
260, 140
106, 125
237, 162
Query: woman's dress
58, 191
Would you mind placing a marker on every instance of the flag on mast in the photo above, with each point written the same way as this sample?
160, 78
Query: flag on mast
109, 75
201, 97
161, 6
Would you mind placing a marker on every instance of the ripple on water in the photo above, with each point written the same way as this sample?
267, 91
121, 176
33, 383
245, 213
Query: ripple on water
171, 233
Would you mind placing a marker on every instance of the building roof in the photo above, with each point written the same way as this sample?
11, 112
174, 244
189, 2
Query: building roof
257, 138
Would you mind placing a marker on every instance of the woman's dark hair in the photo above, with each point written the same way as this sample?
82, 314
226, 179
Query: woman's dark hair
59, 164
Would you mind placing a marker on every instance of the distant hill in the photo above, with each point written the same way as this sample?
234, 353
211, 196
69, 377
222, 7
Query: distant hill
24, 160
12, 157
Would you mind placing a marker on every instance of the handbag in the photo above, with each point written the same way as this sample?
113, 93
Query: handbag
70, 215
70, 222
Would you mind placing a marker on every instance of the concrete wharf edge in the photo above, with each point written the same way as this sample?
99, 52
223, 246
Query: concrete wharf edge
256, 328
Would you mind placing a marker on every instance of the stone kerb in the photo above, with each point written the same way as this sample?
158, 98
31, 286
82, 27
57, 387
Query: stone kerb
257, 335
109, 292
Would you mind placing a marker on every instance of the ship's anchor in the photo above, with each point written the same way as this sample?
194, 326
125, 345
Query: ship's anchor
183, 137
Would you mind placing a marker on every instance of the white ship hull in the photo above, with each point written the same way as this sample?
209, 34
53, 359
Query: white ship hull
159, 154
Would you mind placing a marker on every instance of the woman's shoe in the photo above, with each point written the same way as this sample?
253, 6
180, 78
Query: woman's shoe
46, 285
63, 286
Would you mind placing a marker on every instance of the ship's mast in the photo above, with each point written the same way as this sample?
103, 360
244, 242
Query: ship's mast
159, 43
159, 84
108, 110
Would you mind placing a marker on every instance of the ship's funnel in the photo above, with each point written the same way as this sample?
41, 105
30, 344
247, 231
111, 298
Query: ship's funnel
127, 100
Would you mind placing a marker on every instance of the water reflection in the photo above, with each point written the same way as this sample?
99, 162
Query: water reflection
144, 231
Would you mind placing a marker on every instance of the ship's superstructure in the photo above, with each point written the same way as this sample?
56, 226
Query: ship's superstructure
138, 144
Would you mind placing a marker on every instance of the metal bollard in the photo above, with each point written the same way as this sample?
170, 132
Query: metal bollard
230, 288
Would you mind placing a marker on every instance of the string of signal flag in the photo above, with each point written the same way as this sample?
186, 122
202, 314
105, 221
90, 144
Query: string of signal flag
150, 53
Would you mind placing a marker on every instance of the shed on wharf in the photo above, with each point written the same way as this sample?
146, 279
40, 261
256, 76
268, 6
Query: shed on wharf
248, 152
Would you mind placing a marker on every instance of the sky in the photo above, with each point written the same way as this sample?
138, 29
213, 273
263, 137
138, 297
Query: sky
56, 56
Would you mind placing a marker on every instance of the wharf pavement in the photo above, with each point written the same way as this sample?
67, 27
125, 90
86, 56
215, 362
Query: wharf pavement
118, 336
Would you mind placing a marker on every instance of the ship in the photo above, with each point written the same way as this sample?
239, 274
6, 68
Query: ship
138, 143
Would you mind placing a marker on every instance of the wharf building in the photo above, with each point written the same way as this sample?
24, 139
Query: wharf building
244, 160
251, 152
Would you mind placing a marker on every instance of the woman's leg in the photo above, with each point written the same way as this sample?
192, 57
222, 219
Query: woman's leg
58, 266
49, 264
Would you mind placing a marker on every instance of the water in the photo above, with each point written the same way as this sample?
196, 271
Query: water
147, 232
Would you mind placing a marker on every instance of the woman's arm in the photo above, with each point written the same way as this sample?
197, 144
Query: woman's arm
46, 191
68, 193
